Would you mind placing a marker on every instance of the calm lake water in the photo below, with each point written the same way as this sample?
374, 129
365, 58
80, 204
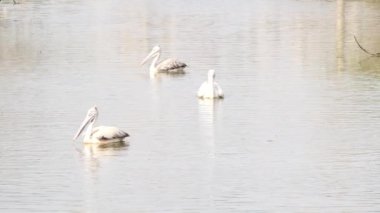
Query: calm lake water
298, 131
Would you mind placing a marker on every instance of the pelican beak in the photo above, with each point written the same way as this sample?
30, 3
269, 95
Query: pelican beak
150, 55
85, 122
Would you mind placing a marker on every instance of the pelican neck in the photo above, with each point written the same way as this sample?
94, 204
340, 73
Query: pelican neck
153, 65
87, 136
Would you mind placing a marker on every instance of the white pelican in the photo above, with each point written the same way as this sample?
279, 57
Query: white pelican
210, 89
100, 134
170, 65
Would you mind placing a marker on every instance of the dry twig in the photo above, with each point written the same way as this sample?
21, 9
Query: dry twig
366, 51
14, 1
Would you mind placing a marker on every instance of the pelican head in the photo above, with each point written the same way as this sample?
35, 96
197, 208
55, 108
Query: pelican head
211, 75
156, 50
91, 116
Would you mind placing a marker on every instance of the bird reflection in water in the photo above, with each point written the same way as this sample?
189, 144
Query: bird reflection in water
106, 149
92, 152
207, 111
96, 157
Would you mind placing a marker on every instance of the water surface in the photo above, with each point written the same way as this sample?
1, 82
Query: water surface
298, 130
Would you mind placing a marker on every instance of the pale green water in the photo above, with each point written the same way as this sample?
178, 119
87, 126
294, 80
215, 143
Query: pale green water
299, 130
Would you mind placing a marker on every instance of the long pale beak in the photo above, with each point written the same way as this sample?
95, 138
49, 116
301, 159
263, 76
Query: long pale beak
82, 126
151, 54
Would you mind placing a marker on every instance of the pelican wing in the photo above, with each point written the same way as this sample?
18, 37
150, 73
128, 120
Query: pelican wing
202, 89
207, 90
218, 90
108, 133
170, 64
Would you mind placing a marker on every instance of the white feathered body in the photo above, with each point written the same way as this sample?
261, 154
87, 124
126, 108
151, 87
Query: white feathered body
171, 66
210, 90
106, 134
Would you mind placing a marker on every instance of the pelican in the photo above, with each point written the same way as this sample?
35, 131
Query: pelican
210, 89
170, 65
100, 134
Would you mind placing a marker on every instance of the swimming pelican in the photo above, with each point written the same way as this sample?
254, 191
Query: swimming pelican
210, 89
100, 134
170, 65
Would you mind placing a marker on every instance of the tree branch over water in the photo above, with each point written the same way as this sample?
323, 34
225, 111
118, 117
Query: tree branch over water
14, 2
366, 51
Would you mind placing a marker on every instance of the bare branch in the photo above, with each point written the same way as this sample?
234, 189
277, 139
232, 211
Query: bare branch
14, 1
366, 51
